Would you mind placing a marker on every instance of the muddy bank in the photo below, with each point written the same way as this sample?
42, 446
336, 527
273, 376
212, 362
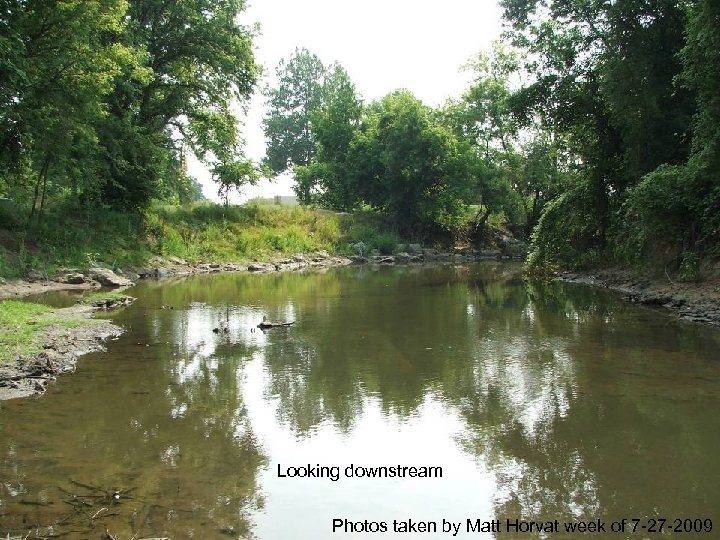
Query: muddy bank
697, 302
62, 346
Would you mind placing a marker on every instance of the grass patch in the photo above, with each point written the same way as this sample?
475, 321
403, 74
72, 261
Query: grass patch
22, 323
202, 232
104, 296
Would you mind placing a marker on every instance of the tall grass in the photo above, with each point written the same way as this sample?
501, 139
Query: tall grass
202, 232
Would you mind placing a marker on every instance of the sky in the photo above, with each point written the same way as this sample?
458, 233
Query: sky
384, 45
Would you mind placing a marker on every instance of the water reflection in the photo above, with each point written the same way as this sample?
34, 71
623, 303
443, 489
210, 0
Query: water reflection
540, 401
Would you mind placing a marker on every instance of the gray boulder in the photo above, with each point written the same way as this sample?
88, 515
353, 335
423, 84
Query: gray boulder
72, 278
107, 277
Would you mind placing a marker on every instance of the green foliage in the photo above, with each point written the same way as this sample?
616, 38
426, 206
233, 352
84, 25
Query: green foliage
657, 216
21, 324
689, 267
411, 167
617, 83
208, 232
326, 180
566, 233
97, 97
103, 296
373, 232
236, 175
300, 91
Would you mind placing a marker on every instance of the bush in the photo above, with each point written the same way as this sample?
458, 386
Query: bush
689, 267
567, 232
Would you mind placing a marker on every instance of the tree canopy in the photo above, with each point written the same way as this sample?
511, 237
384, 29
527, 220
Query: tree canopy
98, 98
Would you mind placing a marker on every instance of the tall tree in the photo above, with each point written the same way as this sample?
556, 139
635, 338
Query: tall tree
407, 164
299, 92
604, 79
483, 117
675, 210
61, 60
198, 62
326, 180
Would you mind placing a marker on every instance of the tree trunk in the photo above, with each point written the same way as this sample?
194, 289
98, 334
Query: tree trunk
41, 180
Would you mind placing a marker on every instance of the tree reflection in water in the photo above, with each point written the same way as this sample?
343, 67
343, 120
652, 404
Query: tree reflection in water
577, 404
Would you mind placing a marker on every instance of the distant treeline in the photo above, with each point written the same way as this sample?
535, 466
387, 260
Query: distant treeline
593, 126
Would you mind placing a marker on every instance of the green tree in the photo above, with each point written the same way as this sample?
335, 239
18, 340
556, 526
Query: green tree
326, 180
675, 210
483, 118
405, 163
604, 81
235, 175
58, 64
300, 91
198, 62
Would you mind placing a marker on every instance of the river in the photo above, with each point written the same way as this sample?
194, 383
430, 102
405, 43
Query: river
534, 402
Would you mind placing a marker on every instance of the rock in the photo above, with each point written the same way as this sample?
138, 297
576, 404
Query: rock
113, 303
144, 273
415, 249
514, 248
400, 248
36, 275
72, 278
489, 254
289, 266
177, 260
260, 267
108, 278
383, 259
321, 255
358, 259
403, 256
161, 272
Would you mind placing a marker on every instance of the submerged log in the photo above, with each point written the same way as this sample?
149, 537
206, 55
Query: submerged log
265, 324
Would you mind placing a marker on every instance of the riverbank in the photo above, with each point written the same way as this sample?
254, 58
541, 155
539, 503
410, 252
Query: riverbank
164, 267
38, 343
696, 302
54, 349
58, 346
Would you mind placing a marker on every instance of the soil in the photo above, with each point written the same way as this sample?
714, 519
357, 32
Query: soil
697, 302
27, 376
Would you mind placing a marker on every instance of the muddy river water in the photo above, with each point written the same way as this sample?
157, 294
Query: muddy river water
401, 396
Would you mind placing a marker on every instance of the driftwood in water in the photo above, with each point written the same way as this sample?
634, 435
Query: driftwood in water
265, 324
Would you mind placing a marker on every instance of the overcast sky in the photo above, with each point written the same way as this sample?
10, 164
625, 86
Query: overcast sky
384, 45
